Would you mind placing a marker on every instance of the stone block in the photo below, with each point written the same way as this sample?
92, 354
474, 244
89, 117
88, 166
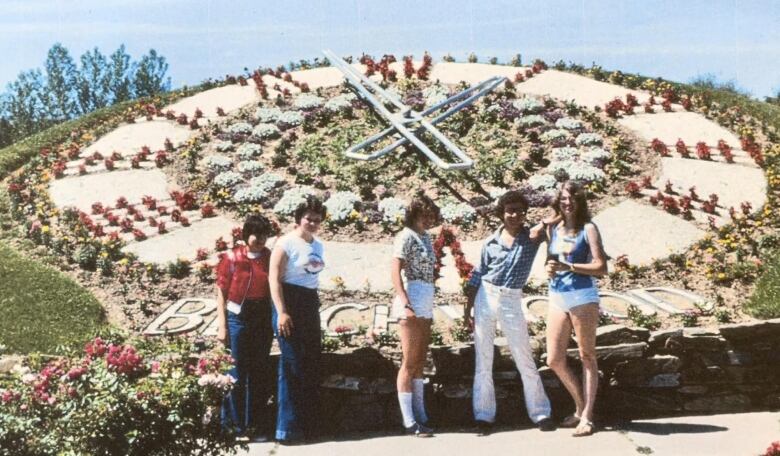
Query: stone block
614, 353
455, 361
7, 363
719, 404
753, 374
693, 389
662, 381
620, 334
637, 372
699, 339
658, 339
359, 362
758, 330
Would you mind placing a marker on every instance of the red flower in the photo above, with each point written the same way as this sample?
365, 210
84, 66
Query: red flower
703, 151
694, 195
198, 113
161, 228
237, 234
687, 104
670, 205
182, 119
121, 202
658, 146
109, 164
139, 235
647, 182
220, 245
667, 105
220, 112
633, 189
201, 255
184, 221
97, 208
519, 77
682, 149
207, 210
161, 159
185, 200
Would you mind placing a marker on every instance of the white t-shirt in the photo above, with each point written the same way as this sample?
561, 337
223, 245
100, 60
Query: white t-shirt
305, 261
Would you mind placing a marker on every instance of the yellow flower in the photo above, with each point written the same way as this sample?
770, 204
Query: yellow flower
45, 229
123, 261
721, 276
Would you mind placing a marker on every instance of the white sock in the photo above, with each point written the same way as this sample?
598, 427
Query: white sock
405, 400
418, 400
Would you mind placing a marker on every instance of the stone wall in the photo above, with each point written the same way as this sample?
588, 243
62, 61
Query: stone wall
734, 368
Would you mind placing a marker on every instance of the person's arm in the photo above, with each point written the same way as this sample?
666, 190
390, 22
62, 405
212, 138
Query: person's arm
278, 261
597, 266
539, 232
396, 266
224, 278
474, 283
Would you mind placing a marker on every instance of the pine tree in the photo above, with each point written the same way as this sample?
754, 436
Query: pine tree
61, 77
92, 86
24, 103
120, 82
150, 75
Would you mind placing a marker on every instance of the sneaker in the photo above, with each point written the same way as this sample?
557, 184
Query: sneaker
484, 428
418, 430
545, 425
259, 438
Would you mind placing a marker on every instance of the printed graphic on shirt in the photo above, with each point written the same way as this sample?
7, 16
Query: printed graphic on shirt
315, 265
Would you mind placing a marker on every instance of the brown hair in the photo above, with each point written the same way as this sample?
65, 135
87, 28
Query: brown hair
510, 197
579, 197
311, 204
421, 204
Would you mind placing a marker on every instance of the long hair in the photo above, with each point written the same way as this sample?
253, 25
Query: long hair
421, 204
579, 197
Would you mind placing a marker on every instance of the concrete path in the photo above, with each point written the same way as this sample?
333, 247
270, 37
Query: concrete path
129, 139
106, 187
747, 434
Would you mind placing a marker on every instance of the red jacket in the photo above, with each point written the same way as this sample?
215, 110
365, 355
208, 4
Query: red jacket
235, 270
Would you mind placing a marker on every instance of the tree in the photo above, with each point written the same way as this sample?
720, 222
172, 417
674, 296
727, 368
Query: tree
24, 103
61, 77
150, 75
92, 86
120, 84
6, 132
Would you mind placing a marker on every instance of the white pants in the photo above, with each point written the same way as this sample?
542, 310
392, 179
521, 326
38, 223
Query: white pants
491, 304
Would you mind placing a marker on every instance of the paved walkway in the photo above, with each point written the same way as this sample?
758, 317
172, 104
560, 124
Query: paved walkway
747, 434
357, 262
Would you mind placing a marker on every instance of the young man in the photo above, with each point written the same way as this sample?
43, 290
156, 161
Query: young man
495, 293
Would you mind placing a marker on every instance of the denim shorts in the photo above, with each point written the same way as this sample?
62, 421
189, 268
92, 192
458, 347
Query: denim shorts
567, 300
420, 298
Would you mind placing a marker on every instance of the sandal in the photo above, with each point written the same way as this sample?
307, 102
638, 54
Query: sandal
570, 421
584, 429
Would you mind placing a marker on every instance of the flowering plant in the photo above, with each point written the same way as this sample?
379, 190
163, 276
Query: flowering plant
266, 131
249, 151
340, 206
459, 213
393, 211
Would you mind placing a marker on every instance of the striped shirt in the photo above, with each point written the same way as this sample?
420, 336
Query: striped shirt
504, 266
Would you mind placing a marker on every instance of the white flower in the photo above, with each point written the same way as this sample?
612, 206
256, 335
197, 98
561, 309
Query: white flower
589, 139
458, 213
497, 192
248, 151
251, 194
435, 94
240, 128
267, 115
266, 131
393, 210
20, 370
228, 179
291, 118
341, 103
28, 378
223, 146
554, 135
596, 156
531, 121
528, 105
250, 167
568, 123
564, 153
291, 199
267, 181
218, 163
577, 170
340, 205
542, 181
307, 101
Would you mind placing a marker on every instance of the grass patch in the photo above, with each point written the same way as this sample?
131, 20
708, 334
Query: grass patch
41, 308
765, 301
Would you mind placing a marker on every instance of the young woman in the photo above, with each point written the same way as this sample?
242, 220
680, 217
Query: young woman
413, 306
244, 325
495, 291
576, 256
296, 262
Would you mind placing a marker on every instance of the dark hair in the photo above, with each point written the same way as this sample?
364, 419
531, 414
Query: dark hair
258, 225
312, 204
420, 204
579, 197
510, 197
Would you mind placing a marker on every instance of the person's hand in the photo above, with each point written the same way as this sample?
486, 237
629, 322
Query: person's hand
409, 313
553, 267
468, 320
222, 334
284, 324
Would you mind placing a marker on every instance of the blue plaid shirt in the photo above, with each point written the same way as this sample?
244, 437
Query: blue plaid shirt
505, 266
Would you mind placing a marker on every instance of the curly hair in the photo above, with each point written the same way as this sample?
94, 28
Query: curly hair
421, 204
579, 197
510, 197
258, 225
313, 205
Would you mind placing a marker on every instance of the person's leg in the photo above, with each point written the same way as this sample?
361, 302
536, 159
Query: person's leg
585, 319
558, 334
484, 399
289, 385
234, 406
312, 341
516, 331
259, 386
410, 333
418, 384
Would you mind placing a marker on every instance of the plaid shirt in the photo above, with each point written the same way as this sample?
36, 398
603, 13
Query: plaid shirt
503, 266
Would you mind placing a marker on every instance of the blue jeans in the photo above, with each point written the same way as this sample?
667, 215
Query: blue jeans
298, 394
244, 409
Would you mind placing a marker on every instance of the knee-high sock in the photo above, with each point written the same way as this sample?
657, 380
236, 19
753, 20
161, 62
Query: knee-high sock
407, 411
418, 400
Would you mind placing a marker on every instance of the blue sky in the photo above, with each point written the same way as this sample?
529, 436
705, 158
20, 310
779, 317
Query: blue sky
732, 40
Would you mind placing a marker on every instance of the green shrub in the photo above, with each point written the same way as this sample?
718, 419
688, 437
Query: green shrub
765, 301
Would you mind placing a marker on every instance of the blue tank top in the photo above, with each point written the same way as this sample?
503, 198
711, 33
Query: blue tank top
573, 249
